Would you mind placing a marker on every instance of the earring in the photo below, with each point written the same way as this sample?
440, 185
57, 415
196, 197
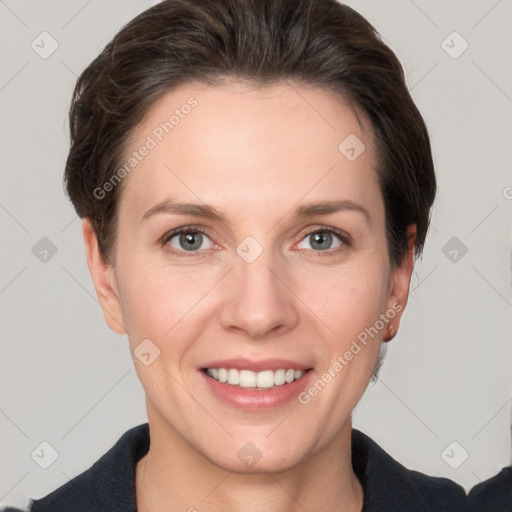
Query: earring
391, 333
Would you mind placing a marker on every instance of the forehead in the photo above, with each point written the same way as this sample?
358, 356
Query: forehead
263, 144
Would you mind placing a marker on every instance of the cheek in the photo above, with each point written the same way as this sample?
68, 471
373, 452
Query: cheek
347, 300
165, 304
350, 308
152, 300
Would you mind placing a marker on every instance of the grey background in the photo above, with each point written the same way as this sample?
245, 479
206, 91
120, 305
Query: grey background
67, 380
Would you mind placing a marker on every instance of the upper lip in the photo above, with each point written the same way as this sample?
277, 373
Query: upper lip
257, 366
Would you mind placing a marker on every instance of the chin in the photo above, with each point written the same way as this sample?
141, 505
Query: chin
250, 461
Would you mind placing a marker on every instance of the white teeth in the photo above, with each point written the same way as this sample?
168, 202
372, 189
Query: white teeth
279, 377
233, 377
265, 379
247, 378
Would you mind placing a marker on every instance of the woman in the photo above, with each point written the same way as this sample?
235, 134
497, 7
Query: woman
255, 183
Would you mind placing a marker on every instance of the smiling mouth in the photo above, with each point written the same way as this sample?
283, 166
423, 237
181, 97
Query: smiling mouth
247, 379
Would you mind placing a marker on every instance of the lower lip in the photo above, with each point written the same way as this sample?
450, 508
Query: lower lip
257, 399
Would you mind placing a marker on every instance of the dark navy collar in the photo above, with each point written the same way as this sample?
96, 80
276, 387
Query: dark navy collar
109, 484
493, 495
390, 486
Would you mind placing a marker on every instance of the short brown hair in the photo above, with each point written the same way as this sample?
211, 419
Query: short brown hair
317, 42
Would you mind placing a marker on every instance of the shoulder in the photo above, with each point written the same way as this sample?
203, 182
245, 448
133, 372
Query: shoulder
108, 485
495, 493
388, 485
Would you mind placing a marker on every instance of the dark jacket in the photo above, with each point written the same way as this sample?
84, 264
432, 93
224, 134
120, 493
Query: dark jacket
493, 495
109, 484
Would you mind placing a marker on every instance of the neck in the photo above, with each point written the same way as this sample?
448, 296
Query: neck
175, 476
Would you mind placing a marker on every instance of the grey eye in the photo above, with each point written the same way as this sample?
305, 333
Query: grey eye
321, 240
189, 241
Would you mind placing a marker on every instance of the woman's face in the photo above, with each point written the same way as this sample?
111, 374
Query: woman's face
285, 267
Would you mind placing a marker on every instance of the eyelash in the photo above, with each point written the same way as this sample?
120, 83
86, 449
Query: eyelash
345, 239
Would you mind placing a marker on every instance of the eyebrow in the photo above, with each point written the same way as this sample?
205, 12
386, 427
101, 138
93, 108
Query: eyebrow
304, 211
326, 207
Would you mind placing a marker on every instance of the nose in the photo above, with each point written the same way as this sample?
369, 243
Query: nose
258, 300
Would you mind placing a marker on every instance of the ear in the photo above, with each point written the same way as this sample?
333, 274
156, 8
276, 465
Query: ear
399, 284
104, 279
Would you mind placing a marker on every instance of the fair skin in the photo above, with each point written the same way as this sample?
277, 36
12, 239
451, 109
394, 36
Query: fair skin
255, 155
